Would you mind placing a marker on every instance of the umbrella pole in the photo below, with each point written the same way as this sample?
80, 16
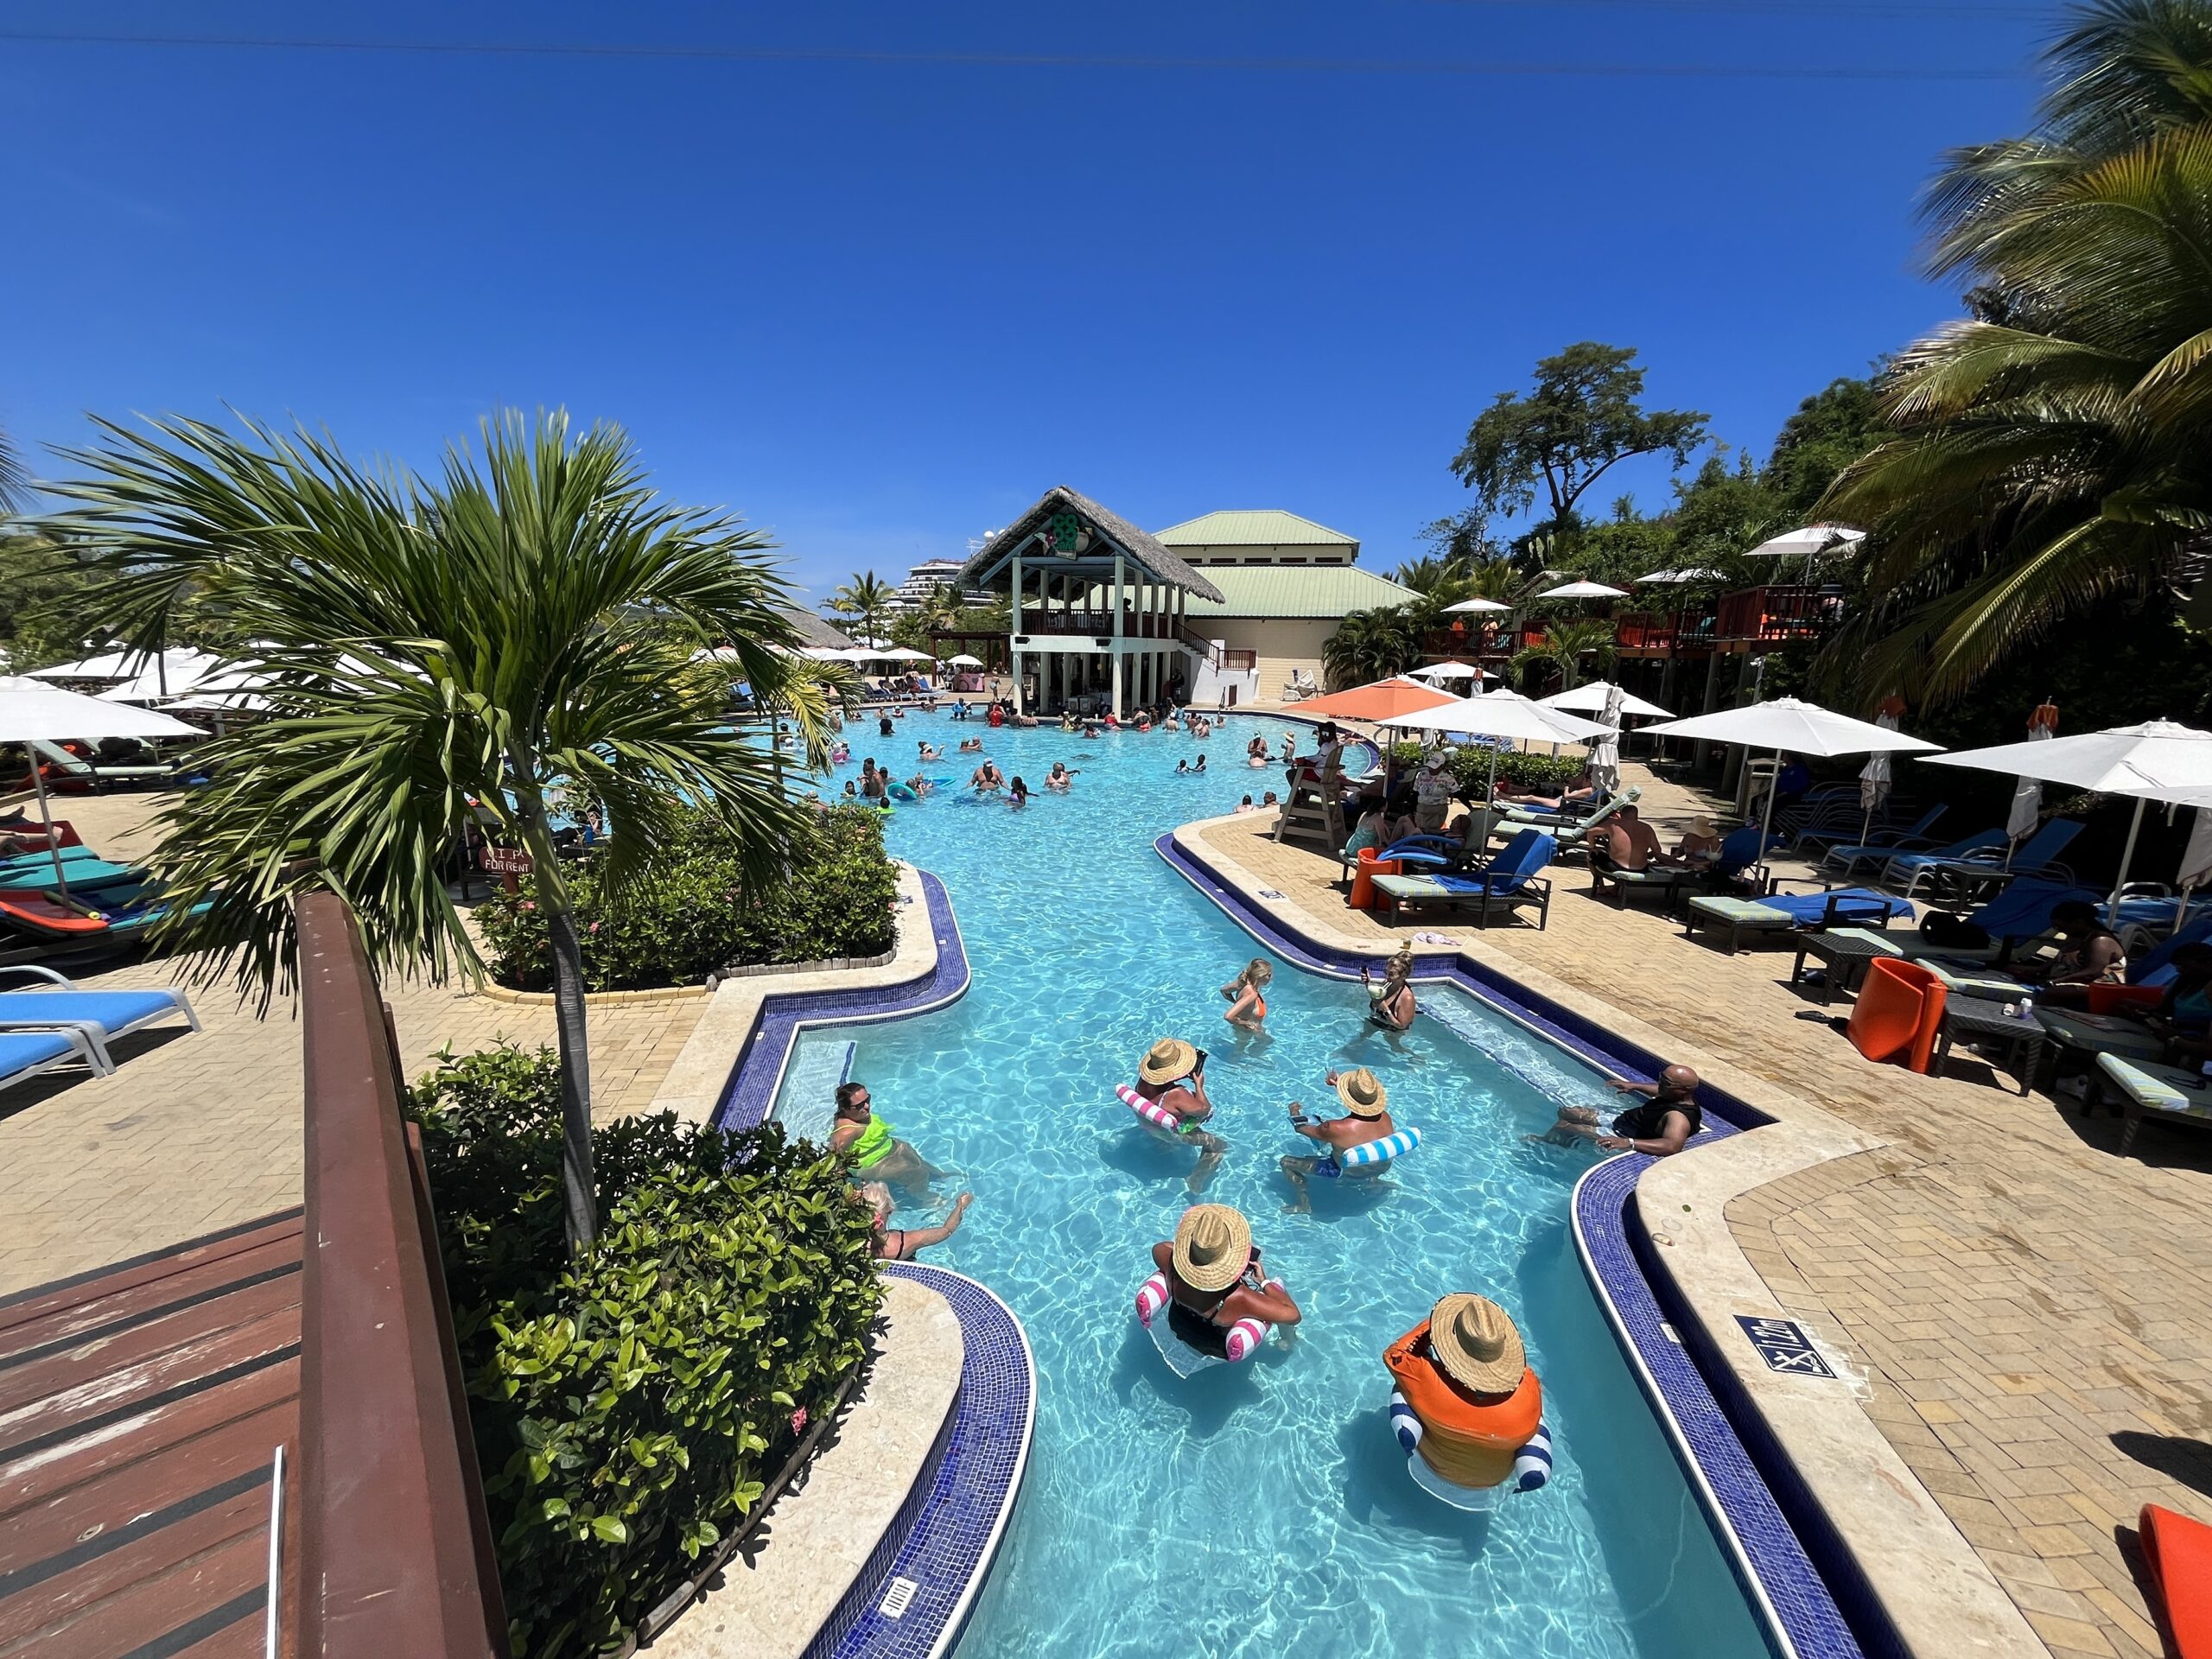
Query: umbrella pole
2181, 912
2126, 857
45, 816
1766, 818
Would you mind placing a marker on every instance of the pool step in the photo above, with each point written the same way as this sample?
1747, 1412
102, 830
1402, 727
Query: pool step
809, 1100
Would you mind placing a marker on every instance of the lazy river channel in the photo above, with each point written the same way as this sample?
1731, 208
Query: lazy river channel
1261, 1509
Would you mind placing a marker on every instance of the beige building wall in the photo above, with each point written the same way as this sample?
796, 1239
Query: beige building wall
1281, 644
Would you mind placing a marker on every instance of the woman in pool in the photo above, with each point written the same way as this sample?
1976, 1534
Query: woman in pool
900, 1243
988, 779
872, 1147
1255, 752
1059, 778
1248, 995
921, 786
971, 746
928, 752
1017, 793
839, 755
1215, 1279
1392, 1007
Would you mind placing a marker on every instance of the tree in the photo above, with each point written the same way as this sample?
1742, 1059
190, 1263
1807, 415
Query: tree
2048, 451
1582, 419
867, 596
1372, 645
525, 623
14, 481
1566, 646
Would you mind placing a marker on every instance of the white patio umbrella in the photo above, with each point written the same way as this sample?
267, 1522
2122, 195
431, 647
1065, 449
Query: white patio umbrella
1606, 751
1788, 726
2026, 811
902, 654
1808, 543
963, 660
1592, 698
1665, 576
1583, 590
107, 665
1466, 604
1874, 780
2158, 760
1503, 714
33, 712
171, 675
1448, 671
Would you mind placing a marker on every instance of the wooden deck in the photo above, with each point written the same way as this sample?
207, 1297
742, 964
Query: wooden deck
140, 1405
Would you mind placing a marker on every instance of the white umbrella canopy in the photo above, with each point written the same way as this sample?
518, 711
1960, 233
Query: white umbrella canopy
1506, 714
176, 673
1665, 576
1448, 671
963, 660
1808, 543
1466, 605
902, 654
1591, 698
32, 711
1790, 725
107, 665
1583, 590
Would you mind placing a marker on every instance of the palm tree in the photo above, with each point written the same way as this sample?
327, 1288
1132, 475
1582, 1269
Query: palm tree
1567, 646
524, 623
866, 596
2049, 450
1371, 645
15, 483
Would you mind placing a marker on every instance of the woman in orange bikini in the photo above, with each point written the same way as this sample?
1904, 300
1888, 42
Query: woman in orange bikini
1247, 994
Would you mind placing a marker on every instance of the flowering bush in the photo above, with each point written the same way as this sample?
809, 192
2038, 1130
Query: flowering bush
692, 914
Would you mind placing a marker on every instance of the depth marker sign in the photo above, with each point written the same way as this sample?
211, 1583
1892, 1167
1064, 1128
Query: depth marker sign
1784, 1346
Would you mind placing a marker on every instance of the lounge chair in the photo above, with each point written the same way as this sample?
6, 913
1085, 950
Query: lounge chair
1988, 868
1661, 879
14, 862
1879, 850
1510, 881
85, 874
1827, 840
1785, 912
1903, 871
96, 922
1427, 854
2148, 1088
102, 1016
24, 1054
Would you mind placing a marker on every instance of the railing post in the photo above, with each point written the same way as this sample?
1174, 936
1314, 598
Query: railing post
394, 1552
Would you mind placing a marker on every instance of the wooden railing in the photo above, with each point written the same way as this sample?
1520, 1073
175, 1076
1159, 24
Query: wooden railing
1794, 611
1097, 624
395, 1551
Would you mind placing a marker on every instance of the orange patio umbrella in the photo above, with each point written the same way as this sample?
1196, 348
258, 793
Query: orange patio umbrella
1381, 703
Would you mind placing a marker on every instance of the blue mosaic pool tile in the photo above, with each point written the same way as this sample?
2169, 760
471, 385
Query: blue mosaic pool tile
1786, 1551
751, 1091
951, 1528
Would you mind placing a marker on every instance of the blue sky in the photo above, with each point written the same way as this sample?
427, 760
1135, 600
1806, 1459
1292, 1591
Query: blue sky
876, 294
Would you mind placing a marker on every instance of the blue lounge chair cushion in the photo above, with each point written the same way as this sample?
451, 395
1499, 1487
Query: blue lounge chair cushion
109, 1010
31, 861
2023, 910
1855, 902
21, 1051
1943, 854
38, 876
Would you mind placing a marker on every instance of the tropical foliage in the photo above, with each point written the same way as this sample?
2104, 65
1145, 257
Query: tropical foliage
630, 1403
1577, 649
866, 599
2049, 451
528, 621
698, 915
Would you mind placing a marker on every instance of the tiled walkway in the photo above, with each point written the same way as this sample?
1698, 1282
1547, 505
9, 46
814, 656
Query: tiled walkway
2031, 1307
194, 1133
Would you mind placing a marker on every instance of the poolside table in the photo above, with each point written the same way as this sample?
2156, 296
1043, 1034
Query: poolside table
1844, 953
1979, 1022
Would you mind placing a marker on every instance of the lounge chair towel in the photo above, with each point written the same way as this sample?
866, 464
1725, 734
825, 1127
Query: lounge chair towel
1858, 903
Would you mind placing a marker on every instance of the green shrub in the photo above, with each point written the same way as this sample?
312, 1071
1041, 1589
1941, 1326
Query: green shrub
627, 1408
1545, 774
692, 913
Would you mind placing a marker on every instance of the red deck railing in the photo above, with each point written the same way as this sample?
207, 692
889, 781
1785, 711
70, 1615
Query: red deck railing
395, 1550
1779, 612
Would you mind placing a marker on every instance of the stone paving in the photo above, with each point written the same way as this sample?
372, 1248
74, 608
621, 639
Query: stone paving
196, 1132
2030, 1307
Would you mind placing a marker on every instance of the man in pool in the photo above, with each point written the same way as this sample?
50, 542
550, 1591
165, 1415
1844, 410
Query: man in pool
929, 753
988, 779
1369, 1103
1658, 1127
1173, 1077
868, 1144
1215, 1279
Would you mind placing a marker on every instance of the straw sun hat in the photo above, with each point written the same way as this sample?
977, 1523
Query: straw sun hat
1363, 1093
1474, 1343
1701, 825
1213, 1244
1166, 1060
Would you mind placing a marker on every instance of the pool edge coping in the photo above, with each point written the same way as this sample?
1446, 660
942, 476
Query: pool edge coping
1920, 1592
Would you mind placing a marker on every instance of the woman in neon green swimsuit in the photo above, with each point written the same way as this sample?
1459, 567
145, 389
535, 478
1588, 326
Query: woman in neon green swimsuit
868, 1142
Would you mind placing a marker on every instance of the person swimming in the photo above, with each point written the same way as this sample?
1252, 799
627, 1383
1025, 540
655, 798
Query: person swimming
927, 753
971, 746
1059, 777
1392, 1006
988, 779
1018, 792
1247, 994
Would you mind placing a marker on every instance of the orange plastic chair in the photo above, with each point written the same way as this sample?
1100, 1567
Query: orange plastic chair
2178, 1552
1899, 1013
1362, 878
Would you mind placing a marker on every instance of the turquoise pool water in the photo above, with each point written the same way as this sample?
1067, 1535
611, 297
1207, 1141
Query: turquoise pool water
1258, 1509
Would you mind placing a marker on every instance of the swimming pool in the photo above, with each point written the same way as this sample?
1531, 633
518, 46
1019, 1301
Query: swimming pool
1262, 1509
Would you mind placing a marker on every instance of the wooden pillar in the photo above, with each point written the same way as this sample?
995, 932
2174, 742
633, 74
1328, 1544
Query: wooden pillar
1119, 576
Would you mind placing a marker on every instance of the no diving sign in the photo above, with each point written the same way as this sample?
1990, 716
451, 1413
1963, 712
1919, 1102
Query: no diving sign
1784, 1346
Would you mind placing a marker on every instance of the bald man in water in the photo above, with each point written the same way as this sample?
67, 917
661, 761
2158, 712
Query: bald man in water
1658, 1127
